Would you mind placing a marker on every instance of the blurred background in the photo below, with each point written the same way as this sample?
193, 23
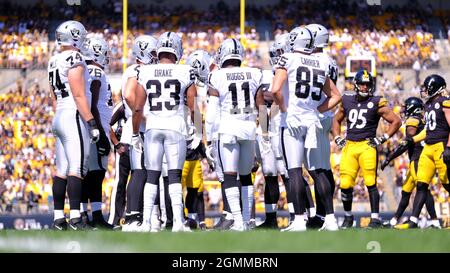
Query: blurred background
403, 41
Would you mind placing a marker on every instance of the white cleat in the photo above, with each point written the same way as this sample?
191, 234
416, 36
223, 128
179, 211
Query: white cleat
145, 227
330, 224
180, 228
239, 226
134, 226
296, 225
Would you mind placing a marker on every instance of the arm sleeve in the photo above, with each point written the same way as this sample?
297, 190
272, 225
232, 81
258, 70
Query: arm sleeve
118, 113
420, 136
212, 115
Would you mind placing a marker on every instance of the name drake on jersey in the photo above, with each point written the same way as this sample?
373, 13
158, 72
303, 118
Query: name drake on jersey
163, 72
239, 76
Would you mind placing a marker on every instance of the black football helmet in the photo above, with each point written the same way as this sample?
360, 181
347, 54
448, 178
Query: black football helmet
364, 77
414, 107
432, 86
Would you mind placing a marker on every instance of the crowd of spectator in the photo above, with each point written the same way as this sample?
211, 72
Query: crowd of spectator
396, 36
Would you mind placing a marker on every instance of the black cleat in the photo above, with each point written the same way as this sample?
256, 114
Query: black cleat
60, 224
268, 224
99, 222
202, 226
191, 223
314, 223
85, 220
77, 224
375, 223
224, 224
348, 222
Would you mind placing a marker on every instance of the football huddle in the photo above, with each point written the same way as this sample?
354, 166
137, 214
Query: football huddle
283, 118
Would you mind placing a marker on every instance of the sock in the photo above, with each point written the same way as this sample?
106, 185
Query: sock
420, 198
75, 213
309, 201
232, 195
200, 206
84, 207
247, 196
348, 213
330, 217
58, 214
404, 201
297, 185
226, 206
193, 216
59, 196
375, 215
413, 219
96, 206
347, 199
167, 202
429, 203
74, 189
176, 197
149, 201
135, 189
191, 198
271, 193
155, 216
374, 197
393, 221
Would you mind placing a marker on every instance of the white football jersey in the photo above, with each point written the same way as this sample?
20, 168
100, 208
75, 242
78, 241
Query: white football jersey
332, 74
306, 77
237, 88
166, 85
58, 70
105, 103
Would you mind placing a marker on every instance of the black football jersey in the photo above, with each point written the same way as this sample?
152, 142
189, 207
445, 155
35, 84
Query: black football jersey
436, 124
362, 116
414, 151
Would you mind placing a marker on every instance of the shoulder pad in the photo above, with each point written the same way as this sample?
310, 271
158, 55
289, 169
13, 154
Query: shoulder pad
446, 103
382, 102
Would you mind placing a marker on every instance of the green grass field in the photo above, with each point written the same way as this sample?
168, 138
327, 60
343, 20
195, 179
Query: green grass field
357, 240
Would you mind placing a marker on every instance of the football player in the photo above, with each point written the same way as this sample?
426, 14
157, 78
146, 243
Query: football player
435, 155
165, 85
307, 77
73, 125
96, 55
192, 176
317, 160
413, 111
362, 111
144, 51
268, 150
233, 90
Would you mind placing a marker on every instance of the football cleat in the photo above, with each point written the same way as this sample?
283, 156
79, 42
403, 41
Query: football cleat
177, 227
77, 224
435, 224
315, 222
60, 224
224, 224
251, 224
132, 223
99, 222
330, 224
408, 225
192, 224
348, 222
268, 224
202, 226
239, 226
375, 223
296, 225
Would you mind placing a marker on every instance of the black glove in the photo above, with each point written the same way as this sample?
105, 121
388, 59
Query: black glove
120, 148
446, 156
377, 141
408, 141
384, 164
340, 142
103, 145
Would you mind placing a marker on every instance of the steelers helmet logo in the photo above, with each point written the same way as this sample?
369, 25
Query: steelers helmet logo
142, 45
370, 105
75, 33
436, 106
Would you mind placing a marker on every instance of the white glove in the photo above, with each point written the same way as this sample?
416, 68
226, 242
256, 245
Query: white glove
340, 142
94, 132
137, 143
194, 139
210, 155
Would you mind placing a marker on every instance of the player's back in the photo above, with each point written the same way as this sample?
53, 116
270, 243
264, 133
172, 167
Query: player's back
166, 85
58, 76
306, 77
237, 88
